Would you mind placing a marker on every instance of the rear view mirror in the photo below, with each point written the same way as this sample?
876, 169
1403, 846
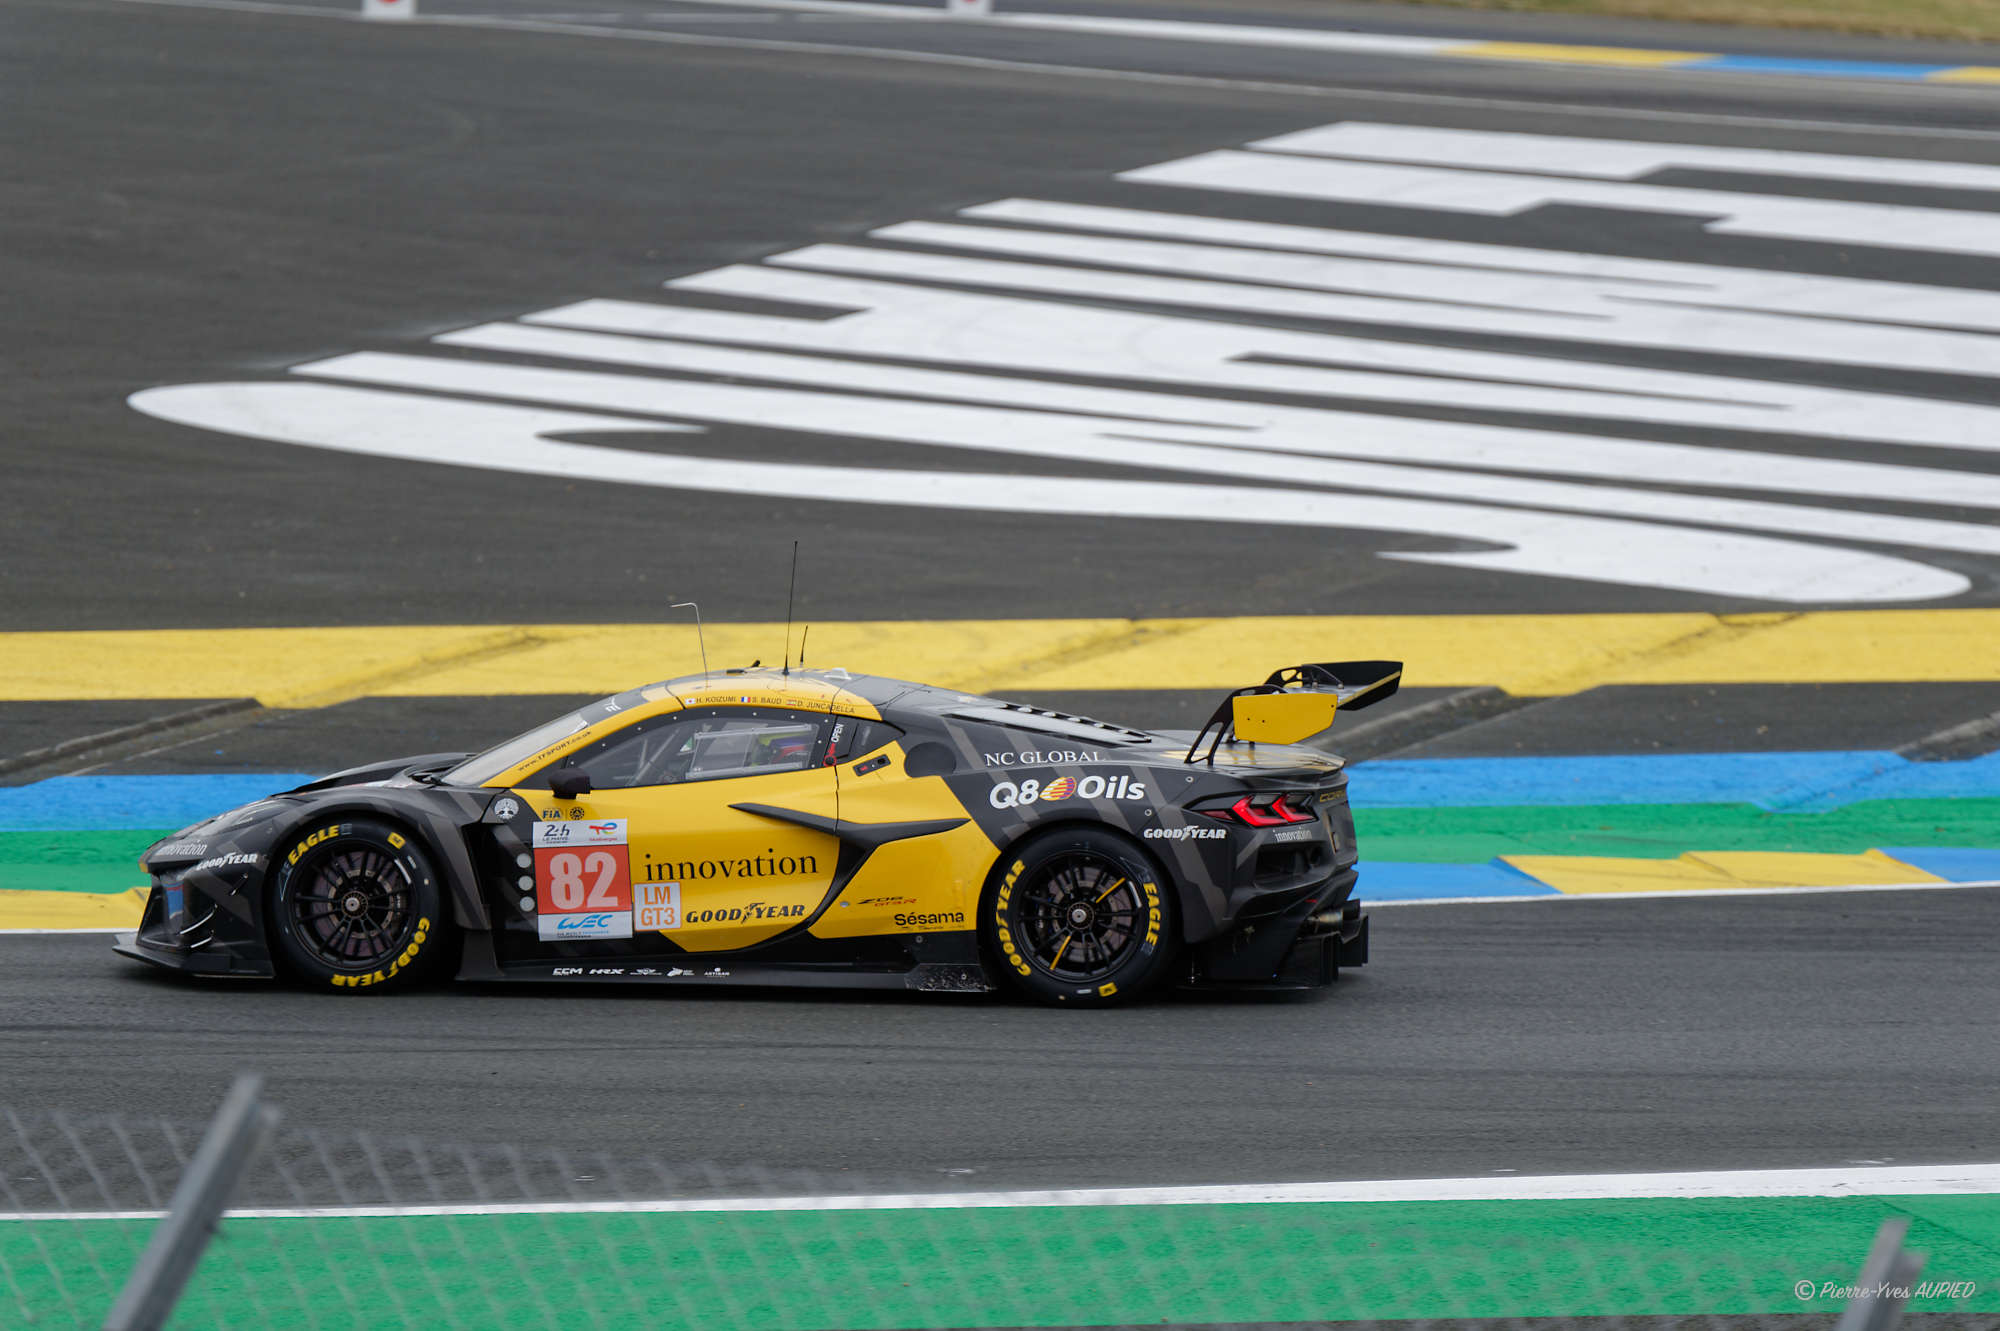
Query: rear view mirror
569, 782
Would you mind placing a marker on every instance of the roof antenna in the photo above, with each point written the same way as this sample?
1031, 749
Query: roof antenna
790, 594
698, 635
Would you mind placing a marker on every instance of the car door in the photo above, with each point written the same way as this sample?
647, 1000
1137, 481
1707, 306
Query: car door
662, 845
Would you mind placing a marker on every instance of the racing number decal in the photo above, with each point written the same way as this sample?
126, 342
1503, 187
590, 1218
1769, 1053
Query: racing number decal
573, 880
583, 880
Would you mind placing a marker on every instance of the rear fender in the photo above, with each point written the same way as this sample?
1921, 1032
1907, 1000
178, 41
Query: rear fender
1197, 913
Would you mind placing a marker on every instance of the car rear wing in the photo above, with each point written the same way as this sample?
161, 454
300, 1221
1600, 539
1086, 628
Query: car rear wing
1297, 703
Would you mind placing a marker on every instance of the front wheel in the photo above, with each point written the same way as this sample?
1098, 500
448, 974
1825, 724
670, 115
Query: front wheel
356, 905
1079, 917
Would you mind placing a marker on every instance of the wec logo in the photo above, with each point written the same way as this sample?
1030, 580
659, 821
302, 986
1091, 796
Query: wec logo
585, 924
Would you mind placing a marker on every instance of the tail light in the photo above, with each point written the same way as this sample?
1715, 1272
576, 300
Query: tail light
1263, 810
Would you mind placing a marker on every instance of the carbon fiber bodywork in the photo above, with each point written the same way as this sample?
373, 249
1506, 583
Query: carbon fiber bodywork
1258, 907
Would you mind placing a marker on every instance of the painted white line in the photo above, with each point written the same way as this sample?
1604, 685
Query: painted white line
1376, 903
1236, 34
1166, 355
1713, 286
1692, 892
1500, 194
1327, 364
1592, 110
1246, 458
851, 8
1745, 317
93, 929
465, 433
1860, 1181
351, 14
668, 20
1609, 159
1219, 34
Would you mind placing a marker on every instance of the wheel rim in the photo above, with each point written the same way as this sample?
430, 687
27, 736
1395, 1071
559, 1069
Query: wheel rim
353, 908
1082, 917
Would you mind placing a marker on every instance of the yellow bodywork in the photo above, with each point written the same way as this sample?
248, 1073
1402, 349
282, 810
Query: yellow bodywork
740, 878
1282, 718
923, 884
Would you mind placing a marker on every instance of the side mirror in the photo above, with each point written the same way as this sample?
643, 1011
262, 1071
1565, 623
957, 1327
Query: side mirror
569, 782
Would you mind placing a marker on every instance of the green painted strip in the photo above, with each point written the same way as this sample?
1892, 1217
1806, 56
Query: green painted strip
1041, 1266
1661, 831
105, 861
74, 861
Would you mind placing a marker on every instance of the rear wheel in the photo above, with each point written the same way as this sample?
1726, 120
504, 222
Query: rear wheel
356, 905
1079, 917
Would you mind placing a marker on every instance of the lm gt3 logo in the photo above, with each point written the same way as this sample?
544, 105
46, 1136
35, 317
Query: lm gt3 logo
1008, 795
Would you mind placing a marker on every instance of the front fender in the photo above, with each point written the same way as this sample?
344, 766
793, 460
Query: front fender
442, 819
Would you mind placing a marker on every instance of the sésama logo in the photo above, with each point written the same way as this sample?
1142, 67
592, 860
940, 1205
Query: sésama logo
1008, 795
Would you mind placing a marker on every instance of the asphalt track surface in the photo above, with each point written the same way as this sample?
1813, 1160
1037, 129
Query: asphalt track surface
1549, 1038
221, 194
199, 194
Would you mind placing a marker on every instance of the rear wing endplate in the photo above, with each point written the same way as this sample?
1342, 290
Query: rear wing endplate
1297, 703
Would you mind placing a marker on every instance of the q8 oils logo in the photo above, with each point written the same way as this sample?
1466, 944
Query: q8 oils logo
1012, 795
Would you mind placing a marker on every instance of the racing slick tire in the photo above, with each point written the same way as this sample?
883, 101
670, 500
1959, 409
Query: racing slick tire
1077, 916
356, 906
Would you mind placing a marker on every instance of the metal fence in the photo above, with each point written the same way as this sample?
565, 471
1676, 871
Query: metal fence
119, 1222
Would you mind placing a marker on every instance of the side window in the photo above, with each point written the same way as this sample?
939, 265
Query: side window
670, 750
852, 737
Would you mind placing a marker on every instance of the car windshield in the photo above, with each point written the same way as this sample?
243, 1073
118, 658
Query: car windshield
483, 767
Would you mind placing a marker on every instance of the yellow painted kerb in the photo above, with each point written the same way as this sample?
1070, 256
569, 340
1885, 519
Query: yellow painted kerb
1966, 74
1716, 870
71, 910
1526, 655
1577, 55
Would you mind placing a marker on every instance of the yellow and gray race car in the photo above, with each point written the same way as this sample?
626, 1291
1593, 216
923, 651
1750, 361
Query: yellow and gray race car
809, 827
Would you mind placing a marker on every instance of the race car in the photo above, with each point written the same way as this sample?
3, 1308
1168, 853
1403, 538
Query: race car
802, 827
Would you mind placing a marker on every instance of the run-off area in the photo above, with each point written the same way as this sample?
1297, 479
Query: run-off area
972, 1264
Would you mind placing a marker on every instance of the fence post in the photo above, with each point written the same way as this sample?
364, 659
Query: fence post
238, 1132
1886, 1279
